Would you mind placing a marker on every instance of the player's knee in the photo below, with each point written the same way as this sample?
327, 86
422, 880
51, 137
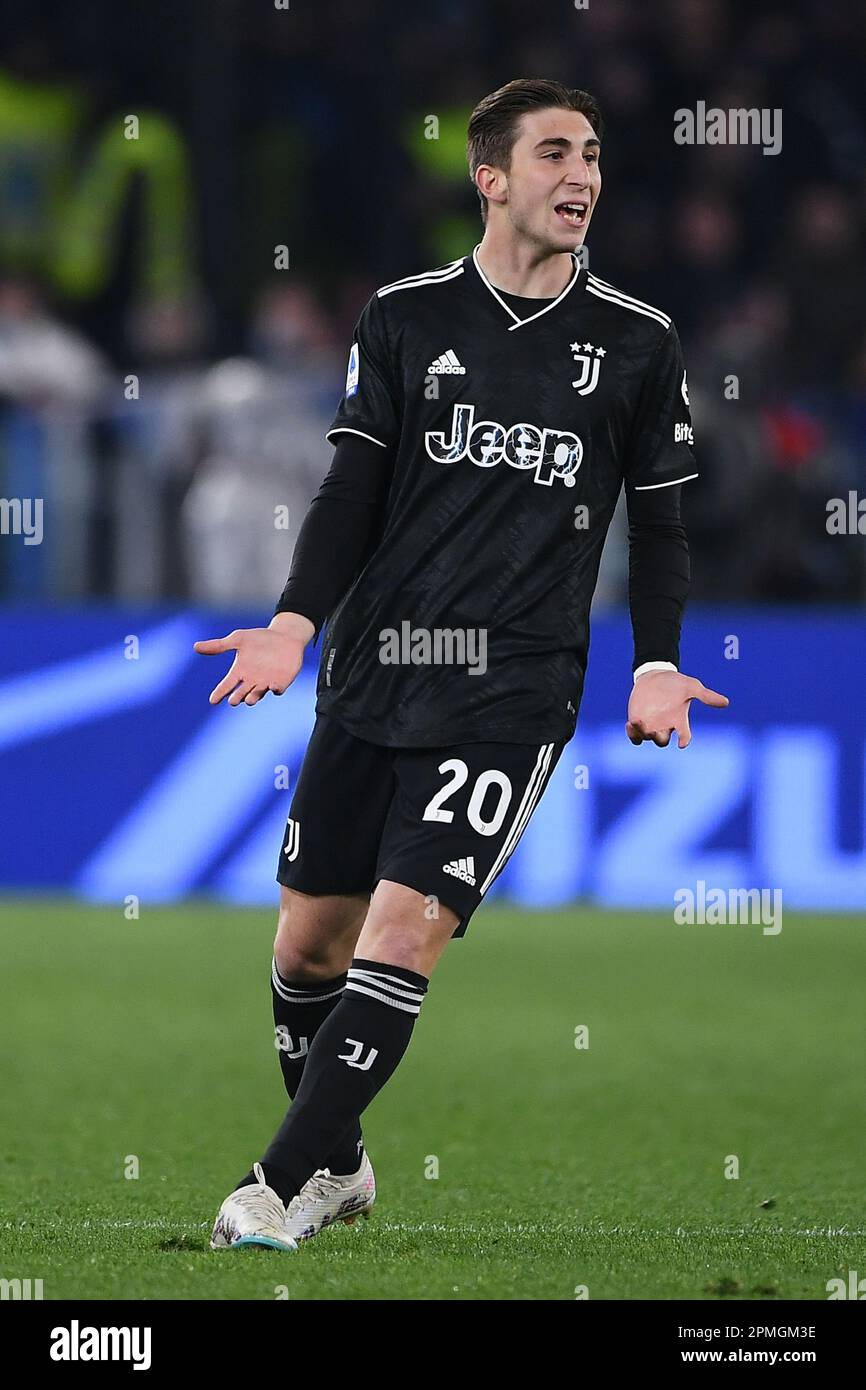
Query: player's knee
302, 959
305, 962
297, 963
310, 942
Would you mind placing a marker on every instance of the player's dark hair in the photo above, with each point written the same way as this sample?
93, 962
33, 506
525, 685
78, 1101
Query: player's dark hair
493, 123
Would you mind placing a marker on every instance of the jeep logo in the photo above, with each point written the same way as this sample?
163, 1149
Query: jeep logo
550, 453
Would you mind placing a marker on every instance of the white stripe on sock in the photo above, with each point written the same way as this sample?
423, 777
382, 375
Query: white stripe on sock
384, 998
376, 977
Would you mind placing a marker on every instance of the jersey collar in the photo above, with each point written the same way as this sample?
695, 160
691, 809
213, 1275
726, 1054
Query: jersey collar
518, 322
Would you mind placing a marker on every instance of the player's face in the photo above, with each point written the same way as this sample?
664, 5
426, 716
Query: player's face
554, 180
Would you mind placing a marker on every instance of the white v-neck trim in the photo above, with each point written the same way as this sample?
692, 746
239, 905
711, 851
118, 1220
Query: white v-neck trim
518, 323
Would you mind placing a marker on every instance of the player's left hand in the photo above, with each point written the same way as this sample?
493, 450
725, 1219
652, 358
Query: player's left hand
659, 707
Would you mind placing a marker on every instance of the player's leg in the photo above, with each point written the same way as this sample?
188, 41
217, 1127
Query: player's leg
326, 871
364, 1038
313, 948
453, 823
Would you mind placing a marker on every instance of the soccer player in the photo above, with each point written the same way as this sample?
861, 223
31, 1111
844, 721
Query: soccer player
494, 409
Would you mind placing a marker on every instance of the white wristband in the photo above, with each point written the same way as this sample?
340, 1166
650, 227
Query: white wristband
654, 666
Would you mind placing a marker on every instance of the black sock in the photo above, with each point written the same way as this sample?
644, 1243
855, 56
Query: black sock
299, 1012
355, 1051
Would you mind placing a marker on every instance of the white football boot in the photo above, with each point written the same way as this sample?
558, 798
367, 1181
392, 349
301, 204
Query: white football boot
325, 1199
252, 1215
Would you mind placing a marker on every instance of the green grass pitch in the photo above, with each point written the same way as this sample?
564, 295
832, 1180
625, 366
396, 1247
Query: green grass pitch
559, 1168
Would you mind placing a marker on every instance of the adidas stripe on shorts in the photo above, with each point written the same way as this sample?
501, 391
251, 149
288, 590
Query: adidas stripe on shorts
443, 821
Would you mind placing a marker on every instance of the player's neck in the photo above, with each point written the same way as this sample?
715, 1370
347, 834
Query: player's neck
518, 268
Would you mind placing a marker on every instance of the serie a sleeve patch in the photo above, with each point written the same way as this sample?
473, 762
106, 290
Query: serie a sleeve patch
353, 372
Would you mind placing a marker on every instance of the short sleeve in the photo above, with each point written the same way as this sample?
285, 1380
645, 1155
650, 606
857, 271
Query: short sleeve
369, 404
660, 450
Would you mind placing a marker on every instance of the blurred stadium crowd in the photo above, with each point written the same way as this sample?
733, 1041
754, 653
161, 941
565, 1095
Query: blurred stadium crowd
164, 387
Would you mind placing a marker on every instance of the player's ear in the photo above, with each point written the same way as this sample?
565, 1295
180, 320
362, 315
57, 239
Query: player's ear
491, 182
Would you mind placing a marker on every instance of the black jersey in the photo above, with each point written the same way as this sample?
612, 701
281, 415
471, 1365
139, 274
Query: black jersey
512, 438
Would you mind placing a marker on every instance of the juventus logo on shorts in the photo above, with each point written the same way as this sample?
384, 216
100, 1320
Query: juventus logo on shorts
293, 841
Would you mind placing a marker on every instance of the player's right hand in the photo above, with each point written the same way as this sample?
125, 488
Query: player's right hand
267, 658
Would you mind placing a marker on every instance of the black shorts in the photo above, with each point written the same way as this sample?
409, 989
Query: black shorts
443, 821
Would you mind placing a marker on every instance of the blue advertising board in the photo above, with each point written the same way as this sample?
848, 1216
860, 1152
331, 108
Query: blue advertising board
119, 778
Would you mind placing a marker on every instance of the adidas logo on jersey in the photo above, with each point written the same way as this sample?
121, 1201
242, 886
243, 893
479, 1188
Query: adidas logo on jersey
447, 365
463, 869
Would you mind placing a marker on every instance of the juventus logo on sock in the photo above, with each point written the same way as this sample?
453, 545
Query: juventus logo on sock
284, 1043
352, 1058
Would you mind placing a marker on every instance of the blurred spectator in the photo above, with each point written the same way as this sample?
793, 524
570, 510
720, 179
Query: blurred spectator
51, 382
261, 451
42, 361
822, 267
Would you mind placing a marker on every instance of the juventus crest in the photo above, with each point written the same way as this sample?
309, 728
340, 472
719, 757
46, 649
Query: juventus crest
293, 839
284, 1042
352, 1059
589, 359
